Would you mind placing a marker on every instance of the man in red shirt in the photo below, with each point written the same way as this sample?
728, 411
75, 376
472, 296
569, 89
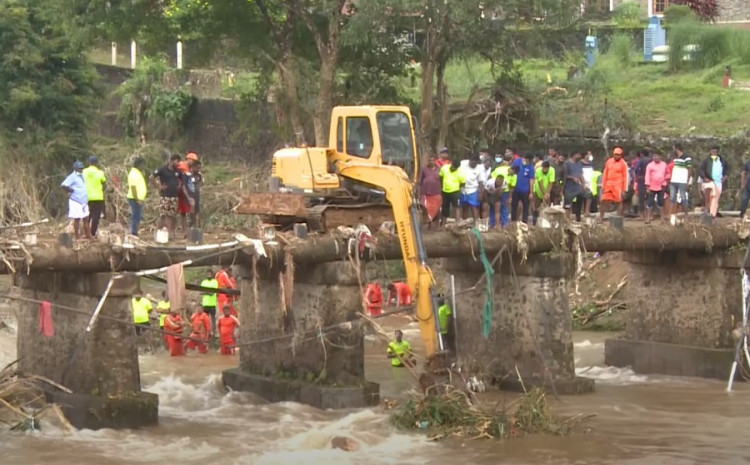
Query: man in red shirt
374, 299
173, 327
225, 281
614, 183
443, 158
226, 326
201, 331
400, 292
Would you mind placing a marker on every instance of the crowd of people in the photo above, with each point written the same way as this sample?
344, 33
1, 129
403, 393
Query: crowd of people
198, 320
509, 187
178, 183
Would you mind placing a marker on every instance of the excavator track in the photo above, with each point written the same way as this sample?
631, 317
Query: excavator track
285, 210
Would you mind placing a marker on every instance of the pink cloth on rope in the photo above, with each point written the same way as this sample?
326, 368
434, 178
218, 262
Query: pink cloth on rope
176, 287
45, 319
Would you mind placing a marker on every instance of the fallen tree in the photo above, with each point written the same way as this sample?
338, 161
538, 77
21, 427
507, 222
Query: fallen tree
23, 402
335, 247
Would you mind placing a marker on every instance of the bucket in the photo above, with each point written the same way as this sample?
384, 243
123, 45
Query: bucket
195, 236
483, 224
161, 236
66, 240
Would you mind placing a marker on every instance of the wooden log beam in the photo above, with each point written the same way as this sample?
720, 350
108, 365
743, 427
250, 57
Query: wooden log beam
100, 258
440, 243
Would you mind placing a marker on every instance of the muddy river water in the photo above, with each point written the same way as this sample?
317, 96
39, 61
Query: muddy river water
639, 420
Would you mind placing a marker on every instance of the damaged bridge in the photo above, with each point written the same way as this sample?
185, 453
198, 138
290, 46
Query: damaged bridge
302, 297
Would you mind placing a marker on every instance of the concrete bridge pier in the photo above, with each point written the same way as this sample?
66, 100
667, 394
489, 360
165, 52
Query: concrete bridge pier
311, 347
100, 367
531, 324
682, 308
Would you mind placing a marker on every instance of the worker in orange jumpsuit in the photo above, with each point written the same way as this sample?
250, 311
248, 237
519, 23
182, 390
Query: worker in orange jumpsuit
614, 183
173, 326
226, 281
374, 299
226, 326
201, 331
400, 292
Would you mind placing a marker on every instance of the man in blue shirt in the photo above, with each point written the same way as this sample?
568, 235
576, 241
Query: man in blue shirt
78, 200
522, 192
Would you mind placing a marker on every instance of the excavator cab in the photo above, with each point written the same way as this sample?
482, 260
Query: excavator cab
376, 135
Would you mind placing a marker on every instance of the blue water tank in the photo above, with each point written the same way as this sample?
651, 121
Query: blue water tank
592, 47
653, 36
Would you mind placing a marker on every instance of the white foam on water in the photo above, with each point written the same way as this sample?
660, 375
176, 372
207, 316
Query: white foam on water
612, 375
149, 449
378, 443
175, 394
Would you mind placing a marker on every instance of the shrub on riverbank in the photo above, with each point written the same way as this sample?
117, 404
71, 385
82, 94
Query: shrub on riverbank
454, 413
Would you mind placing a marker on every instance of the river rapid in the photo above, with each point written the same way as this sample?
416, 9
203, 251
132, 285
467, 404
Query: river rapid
639, 420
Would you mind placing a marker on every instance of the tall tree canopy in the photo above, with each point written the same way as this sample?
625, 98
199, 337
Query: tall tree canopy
325, 52
46, 82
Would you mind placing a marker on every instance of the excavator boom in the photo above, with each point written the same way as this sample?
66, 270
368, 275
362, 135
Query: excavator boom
398, 191
371, 157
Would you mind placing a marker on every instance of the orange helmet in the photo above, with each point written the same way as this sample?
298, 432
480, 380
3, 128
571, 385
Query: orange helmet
192, 156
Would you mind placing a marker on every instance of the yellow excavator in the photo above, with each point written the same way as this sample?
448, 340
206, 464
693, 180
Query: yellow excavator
366, 175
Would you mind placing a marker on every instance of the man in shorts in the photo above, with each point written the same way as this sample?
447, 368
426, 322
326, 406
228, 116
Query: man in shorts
452, 179
471, 190
169, 184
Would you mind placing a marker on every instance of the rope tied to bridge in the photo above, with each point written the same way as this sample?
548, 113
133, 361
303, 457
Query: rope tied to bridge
489, 292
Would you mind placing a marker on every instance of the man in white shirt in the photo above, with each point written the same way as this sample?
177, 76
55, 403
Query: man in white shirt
470, 191
680, 181
485, 169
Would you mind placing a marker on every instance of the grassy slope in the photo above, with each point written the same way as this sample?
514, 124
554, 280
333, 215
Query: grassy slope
657, 102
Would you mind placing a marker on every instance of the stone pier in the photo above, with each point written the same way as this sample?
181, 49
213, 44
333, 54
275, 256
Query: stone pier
682, 308
531, 326
100, 367
297, 360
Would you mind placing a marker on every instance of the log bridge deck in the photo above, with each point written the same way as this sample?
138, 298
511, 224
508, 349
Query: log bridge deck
530, 329
113, 256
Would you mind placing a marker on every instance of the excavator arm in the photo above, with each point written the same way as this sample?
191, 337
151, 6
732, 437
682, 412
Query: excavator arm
397, 187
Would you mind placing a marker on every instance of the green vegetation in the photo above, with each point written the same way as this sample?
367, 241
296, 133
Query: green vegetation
149, 94
47, 88
629, 14
454, 414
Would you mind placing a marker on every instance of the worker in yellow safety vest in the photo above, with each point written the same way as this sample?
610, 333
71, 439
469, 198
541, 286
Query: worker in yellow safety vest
399, 351
162, 308
502, 170
141, 309
208, 301
446, 329
593, 204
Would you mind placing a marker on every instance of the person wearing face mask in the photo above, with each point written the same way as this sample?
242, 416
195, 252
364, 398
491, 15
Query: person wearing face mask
614, 182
